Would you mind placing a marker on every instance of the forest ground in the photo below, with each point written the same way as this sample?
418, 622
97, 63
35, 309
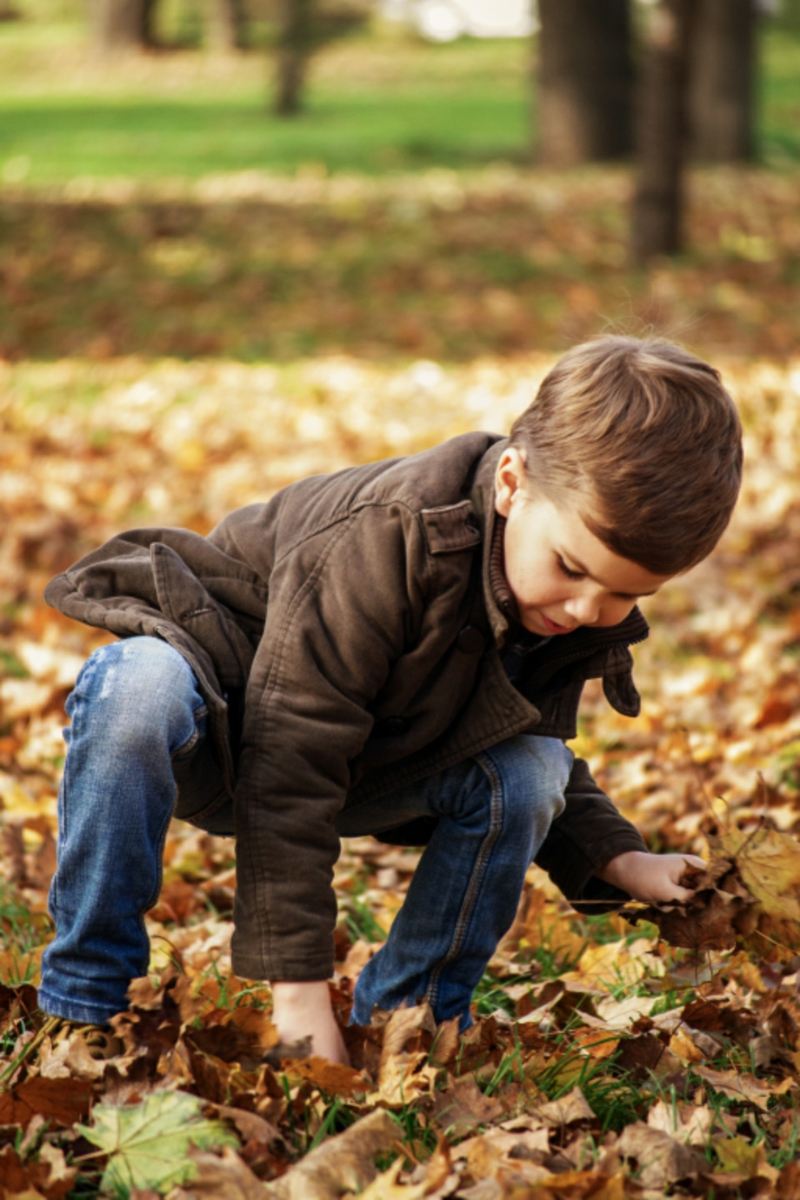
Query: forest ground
174, 348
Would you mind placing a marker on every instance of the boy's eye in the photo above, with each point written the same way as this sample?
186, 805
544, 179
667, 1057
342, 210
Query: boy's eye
565, 570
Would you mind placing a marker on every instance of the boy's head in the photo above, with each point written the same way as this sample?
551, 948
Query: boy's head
622, 473
644, 441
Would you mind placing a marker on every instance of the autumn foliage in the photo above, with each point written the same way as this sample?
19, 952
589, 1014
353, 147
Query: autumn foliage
610, 1057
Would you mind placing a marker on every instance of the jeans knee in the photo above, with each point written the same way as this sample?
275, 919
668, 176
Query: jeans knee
533, 773
141, 691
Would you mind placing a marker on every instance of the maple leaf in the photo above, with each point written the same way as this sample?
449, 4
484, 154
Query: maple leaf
148, 1143
749, 896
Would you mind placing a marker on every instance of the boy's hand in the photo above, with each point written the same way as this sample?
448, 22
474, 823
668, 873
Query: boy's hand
302, 1010
653, 878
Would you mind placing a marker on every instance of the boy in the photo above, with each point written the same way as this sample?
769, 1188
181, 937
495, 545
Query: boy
396, 649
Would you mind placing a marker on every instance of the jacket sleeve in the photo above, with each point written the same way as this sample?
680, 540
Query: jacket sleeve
343, 605
587, 835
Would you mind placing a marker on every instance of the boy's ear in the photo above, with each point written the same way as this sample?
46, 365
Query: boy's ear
509, 480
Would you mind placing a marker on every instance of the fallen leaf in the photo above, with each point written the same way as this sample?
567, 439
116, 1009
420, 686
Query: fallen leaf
660, 1159
739, 1086
344, 1163
214, 1176
49, 1176
740, 1159
61, 1100
461, 1107
148, 1143
689, 1124
566, 1110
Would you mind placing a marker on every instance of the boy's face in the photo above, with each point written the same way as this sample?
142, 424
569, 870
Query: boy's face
560, 574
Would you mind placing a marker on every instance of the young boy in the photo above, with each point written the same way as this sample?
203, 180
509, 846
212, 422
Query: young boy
397, 649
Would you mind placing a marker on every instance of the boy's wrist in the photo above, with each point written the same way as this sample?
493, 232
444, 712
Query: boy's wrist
618, 870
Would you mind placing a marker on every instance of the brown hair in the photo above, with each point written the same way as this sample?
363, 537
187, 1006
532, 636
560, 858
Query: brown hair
646, 439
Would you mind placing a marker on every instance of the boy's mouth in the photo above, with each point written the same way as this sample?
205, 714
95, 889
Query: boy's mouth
552, 627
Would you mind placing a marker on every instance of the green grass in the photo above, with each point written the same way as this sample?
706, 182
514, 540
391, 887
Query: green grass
376, 102
191, 137
779, 118
373, 105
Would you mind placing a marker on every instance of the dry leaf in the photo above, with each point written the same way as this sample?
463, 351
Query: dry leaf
344, 1163
740, 1161
566, 1110
216, 1176
659, 1158
462, 1107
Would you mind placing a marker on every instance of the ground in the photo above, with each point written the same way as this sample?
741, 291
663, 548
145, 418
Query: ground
602, 1058
383, 275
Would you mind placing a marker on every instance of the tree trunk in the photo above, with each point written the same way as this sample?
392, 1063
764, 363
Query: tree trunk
226, 26
662, 130
295, 44
147, 28
118, 24
585, 80
721, 88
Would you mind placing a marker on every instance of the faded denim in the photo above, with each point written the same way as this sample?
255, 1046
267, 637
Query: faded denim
139, 724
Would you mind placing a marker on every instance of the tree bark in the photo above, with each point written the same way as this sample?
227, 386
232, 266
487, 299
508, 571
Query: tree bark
118, 24
226, 24
147, 26
585, 81
662, 130
295, 44
721, 89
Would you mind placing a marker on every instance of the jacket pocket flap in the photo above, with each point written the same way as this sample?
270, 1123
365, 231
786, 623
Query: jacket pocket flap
452, 527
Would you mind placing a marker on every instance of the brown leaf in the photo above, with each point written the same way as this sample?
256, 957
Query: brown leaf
334, 1079
401, 1074
462, 1107
739, 1086
706, 922
62, 1100
566, 1110
343, 1163
217, 1176
659, 1158
434, 1174
49, 1176
688, 1124
251, 1127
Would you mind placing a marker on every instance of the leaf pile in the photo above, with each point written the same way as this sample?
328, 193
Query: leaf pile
603, 1062
439, 264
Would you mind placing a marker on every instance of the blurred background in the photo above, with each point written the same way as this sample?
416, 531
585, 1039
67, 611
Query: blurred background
242, 241
424, 178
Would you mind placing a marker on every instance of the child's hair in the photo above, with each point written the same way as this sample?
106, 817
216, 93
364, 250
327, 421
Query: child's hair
647, 441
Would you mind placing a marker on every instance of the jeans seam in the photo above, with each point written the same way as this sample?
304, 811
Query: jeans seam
479, 870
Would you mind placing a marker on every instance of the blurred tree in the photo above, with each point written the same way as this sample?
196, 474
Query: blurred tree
226, 29
662, 128
122, 24
585, 77
722, 75
304, 26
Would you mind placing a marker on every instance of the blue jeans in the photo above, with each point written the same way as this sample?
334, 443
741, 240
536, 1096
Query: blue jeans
137, 754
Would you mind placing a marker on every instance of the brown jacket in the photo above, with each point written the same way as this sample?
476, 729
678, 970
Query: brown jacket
354, 615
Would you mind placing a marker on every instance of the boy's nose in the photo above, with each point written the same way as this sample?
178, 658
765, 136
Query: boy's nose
585, 609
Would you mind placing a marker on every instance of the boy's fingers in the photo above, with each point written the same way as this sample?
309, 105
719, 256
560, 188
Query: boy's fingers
694, 861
